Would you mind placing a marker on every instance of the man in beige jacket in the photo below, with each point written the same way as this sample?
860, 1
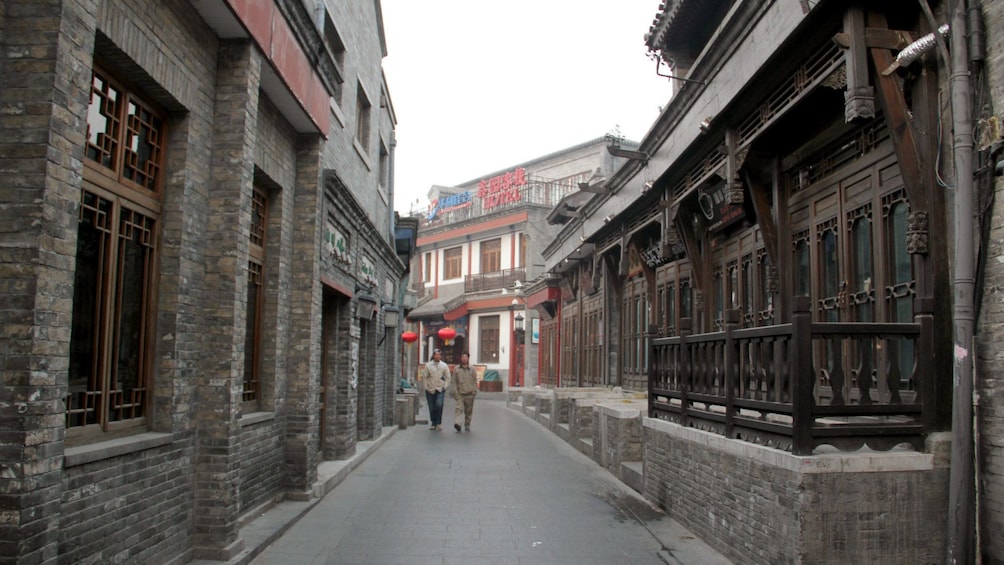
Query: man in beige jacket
465, 388
436, 378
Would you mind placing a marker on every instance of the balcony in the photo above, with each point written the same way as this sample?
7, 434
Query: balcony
800, 385
495, 280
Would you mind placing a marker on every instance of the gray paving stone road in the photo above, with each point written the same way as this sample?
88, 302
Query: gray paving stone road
508, 491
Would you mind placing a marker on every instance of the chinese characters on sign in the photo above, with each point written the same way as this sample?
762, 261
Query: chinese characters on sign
336, 244
501, 189
367, 271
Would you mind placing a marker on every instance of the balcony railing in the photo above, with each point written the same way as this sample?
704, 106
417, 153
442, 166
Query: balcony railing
787, 386
494, 280
468, 205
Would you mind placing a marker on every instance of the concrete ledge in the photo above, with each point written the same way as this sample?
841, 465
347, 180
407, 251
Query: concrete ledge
563, 432
513, 394
74, 456
623, 408
632, 474
863, 460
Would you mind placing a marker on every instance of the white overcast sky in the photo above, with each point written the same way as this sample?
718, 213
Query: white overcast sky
480, 86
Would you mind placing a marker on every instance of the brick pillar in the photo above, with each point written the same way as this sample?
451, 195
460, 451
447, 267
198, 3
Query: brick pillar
341, 397
304, 364
45, 52
367, 389
388, 369
217, 497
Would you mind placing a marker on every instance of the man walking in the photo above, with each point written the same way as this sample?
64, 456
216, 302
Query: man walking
465, 388
436, 376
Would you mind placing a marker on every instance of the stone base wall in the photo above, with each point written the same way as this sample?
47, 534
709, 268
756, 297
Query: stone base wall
261, 461
760, 505
617, 433
127, 504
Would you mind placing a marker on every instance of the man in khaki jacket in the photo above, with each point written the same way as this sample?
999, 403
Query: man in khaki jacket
465, 388
436, 378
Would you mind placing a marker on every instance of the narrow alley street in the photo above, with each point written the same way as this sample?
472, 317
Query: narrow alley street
506, 492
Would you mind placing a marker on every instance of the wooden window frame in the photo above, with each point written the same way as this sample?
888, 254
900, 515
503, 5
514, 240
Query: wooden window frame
491, 255
121, 198
453, 263
489, 339
255, 303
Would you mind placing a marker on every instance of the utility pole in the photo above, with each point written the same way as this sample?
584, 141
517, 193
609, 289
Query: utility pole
962, 489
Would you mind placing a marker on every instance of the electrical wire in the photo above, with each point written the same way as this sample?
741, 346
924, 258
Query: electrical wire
937, 156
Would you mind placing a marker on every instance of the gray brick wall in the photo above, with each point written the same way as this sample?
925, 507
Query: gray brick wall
759, 508
44, 103
129, 509
260, 464
990, 329
340, 430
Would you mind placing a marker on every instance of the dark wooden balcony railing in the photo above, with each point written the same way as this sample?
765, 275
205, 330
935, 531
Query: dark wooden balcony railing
800, 385
494, 280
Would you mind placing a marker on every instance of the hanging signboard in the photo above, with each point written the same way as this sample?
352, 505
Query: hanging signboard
718, 211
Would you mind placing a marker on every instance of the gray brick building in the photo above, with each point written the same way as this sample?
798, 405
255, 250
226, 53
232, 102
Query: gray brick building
990, 363
478, 256
198, 267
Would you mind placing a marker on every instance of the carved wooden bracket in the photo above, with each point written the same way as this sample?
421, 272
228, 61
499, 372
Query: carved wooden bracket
916, 233
859, 98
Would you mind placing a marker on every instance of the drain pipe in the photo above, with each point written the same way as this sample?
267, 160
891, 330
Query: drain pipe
961, 494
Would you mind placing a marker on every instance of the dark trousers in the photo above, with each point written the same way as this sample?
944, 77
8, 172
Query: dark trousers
435, 400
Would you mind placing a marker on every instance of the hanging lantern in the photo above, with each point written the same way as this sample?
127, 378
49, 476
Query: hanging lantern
409, 337
446, 334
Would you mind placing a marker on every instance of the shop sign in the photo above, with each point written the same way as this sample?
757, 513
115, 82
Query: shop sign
501, 189
717, 209
449, 203
336, 244
367, 271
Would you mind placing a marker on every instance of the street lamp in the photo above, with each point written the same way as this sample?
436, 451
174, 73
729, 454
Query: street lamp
518, 328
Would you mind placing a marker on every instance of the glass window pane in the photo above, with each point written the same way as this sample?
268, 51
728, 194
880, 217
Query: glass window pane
90, 280
802, 268
135, 254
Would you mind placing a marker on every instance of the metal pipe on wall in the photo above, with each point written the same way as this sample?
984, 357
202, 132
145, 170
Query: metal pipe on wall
961, 495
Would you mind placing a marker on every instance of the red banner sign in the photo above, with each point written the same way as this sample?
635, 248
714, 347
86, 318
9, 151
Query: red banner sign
501, 189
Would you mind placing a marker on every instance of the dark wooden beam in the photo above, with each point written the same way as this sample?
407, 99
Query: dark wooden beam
878, 38
897, 118
859, 96
759, 189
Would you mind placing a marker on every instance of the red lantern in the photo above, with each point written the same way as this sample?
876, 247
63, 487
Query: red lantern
446, 334
409, 337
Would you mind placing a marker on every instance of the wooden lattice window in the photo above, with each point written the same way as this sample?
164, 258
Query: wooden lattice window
125, 136
491, 256
110, 370
634, 326
488, 339
255, 304
452, 263
900, 287
829, 271
592, 340
110, 343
